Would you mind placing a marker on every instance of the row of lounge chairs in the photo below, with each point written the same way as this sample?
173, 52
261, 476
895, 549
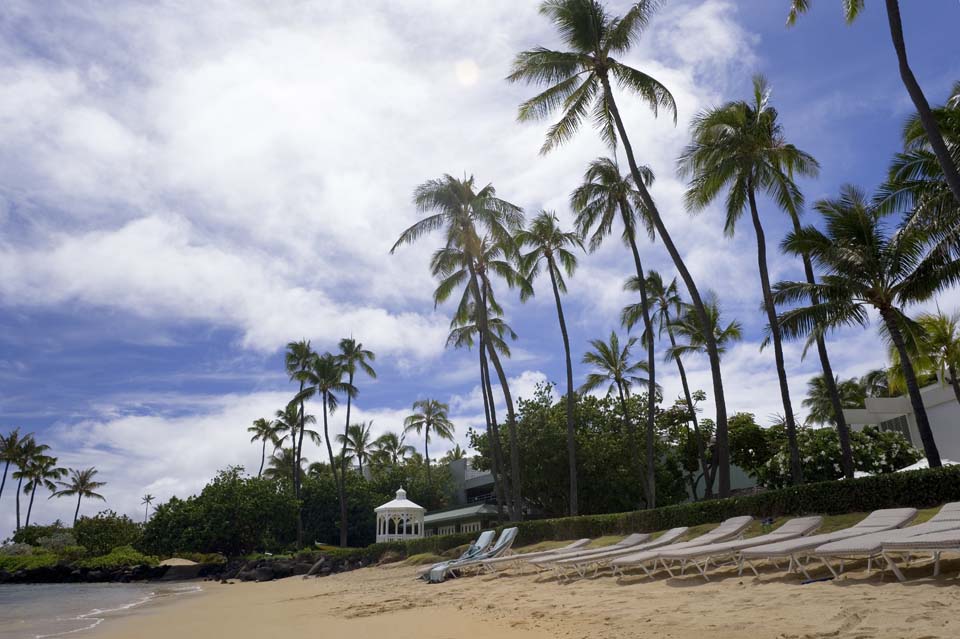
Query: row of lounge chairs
882, 535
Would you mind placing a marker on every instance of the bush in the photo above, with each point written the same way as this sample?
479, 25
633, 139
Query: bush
118, 558
106, 531
57, 542
15, 550
13, 563
31, 534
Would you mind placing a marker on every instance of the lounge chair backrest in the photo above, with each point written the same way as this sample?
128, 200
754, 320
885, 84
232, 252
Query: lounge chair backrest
948, 512
886, 519
507, 537
672, 534
481, 544
799, 526
729, 527
631, 540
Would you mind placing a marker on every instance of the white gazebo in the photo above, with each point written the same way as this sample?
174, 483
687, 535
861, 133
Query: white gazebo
399, 519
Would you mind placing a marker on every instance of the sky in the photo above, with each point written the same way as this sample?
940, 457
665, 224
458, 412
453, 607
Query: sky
186, 187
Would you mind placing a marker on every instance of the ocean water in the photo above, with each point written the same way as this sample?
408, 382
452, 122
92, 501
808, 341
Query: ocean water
36, 611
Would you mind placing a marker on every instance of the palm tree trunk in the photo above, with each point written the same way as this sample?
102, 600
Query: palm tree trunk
336, 478
30, 507
929, 123
426, 455
701, 445
146, 513
76, 513
723, 451
953, 381
263, 458
571, 399
843, 431
796, 471
342, 488
651, 482
298, 452
493, 431
634, 440
3, 483
916, 401
19, 488
346, 434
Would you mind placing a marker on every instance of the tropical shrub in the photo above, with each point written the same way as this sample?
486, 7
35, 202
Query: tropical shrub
15, 550
13, 563
119, 557
57, 542
31, 534
106, 531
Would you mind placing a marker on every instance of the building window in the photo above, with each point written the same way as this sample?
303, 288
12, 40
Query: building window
447, 530
472, 526
897, 425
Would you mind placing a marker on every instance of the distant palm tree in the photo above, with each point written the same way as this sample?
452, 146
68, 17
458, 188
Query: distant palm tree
390, 449
26, 454
579, 85
82, 484
934, 352
552, 246
868, 268
357, 444
148, 499
282, 465
430, 415
614, 369
41, 470
264, 430
876, 383
692, 337
288, 423
740, 148
454, 454
819, 403
9, 450
605, 197
298, 361
851, 9
353, 356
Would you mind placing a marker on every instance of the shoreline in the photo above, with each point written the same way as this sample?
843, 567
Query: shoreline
388, 601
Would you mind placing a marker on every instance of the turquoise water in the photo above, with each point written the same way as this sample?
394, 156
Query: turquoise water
54, 610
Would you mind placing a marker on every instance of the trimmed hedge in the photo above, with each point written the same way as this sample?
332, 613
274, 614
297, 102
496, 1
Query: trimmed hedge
918, 489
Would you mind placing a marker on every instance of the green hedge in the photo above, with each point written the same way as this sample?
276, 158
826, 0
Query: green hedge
918, 489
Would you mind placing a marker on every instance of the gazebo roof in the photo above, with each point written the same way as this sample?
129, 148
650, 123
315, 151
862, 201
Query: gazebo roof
400, 503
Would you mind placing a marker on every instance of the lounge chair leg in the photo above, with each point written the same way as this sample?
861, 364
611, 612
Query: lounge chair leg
683, 567
670, 572
830, 568
936, 564
753, 568
703, 569
894, 568
841, 566
869, 565
790, 566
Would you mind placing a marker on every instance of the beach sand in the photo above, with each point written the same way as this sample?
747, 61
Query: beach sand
388, 602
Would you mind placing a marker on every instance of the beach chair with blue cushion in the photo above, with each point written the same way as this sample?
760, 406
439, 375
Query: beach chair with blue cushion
440, 572
473, 550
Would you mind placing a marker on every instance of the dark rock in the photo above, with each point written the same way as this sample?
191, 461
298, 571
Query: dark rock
264, 573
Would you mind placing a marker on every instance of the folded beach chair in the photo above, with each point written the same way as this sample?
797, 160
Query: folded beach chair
513, 561
631, 541
480, 545
451, 568
730, 529
871, 546
797, 549
564, 567
702, 556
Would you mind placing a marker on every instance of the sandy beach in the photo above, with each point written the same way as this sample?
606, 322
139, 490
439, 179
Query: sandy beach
388, 601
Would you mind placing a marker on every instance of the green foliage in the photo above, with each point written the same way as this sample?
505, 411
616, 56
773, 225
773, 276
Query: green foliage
16, 549
57, 542
13, 563
31, 534
106, 531
119, 557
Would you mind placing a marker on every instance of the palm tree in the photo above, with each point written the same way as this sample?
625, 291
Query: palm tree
454, 454
148, 499
288, 422
605, 196
41, 470
298, 360
352, 356
876, 383
851, 9
326, 378
429, 415
740, 148
82, 484
866, 267
26, 454
692, 338
551, 245
667, 305
356, 443
934, 351
264, 430
282, 465
819, 400
390, 449
615, 370
579, 86
9, 450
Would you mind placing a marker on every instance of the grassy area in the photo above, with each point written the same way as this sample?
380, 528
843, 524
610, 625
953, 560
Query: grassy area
423, 559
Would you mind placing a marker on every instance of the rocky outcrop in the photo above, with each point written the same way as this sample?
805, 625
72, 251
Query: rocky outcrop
268, 569
65, 573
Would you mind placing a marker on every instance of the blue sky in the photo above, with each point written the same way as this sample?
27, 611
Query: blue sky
183, 192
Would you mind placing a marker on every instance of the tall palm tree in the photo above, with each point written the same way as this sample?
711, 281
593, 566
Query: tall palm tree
819, 402
288, 423
740, 148
9, 449
326, 378
390, 449
551, 246
82, 484
430, 415
282, 465
264, 430
691, 338
40, 471
357, 444
146, 501
666, 304
26, 454
298, 360
867, 267
614, 370
851, 9
604, 197
353, 356
580, 86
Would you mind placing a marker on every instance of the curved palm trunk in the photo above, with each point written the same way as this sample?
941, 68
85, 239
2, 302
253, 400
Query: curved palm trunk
723, 452
571, 399
701, 445
426, 454
263, 458
651, 483
493, 430
3, 483
634, 440
929, 123
843, 431
19, 488
298, 445
916, 401
336, 477
346, 434
146, 512
796, 472
343, 473
30, 507
953, 381
76, 513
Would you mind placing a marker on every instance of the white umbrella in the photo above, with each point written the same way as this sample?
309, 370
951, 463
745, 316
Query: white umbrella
923, 463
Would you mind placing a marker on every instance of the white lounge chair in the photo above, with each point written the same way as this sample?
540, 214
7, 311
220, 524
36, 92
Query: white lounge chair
934, 543
730, 529
702, 556
480, 545
871, 546
451, 568
517, 560
631, 541
796, 550
566, 566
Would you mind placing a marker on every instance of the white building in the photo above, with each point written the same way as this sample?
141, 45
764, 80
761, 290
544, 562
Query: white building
895, 414
399, 519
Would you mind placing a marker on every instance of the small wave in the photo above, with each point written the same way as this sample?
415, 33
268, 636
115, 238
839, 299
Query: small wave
97, 615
